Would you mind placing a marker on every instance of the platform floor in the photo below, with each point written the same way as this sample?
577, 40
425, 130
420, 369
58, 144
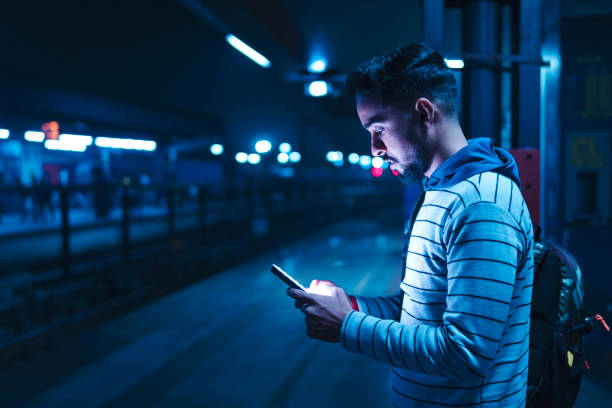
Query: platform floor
233, 340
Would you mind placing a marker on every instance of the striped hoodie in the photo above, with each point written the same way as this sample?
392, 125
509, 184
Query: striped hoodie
457, 333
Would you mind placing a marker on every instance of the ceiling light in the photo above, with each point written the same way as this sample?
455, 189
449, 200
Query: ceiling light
318, 66
248, 51
454, 63
318, 88
216, 149
263, 146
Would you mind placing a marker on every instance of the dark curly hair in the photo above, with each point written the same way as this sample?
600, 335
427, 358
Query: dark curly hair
412, 71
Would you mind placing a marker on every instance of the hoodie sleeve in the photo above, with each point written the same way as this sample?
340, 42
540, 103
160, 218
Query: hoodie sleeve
384, 307
484, 244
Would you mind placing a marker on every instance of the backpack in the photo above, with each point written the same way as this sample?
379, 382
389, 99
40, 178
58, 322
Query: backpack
558, 326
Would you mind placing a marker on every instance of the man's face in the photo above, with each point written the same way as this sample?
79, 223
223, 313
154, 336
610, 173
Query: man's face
396, 135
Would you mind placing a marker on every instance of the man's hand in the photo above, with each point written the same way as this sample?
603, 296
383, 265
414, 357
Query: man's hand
325, 306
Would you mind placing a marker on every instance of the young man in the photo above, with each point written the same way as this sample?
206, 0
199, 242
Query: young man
457, 334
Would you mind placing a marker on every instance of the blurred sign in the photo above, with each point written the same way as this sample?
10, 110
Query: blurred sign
51, 130
586, 154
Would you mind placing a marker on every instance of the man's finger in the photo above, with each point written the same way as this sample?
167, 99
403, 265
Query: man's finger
299, 294
299, 303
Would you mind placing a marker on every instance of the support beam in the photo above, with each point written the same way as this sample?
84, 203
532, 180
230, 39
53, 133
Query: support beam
432, 23
482, 79
551, 147
526, 86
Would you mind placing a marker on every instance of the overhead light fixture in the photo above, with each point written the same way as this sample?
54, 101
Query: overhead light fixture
70, 139
282, 158
127, 144
318, 66
295, 157
254, 158
263, 146
4, 133
241, 157
284, 147
248, 51
216, 149
34, 136
69, 145
454, 63
318, 88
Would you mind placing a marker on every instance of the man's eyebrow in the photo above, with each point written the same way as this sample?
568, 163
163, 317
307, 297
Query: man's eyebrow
376, 118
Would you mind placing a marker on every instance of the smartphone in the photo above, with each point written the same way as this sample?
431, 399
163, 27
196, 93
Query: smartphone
285, 277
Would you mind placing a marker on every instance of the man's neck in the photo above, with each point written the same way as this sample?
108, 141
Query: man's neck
448, 141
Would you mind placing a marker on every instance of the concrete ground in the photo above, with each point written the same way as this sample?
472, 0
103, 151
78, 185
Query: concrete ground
233, 340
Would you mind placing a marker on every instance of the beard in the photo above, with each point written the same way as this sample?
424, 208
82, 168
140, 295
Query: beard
414, 171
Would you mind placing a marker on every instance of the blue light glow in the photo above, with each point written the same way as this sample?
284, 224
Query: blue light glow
331, 156
377, 162
248, 51
4, 133
318, 88
254, 158
353, 158
318, 66
284, 147
241, 157
75, 140
216, 149
295, 157
69, 145
263, 146
128, 144
365, 161
454, 63
33, 136
282, 158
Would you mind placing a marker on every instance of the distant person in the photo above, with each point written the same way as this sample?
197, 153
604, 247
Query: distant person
41, 197
102, 192
457, 333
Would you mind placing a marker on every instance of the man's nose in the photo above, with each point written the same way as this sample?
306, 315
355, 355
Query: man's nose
378, 147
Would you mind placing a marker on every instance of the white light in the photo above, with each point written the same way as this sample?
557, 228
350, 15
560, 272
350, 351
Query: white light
32, 136
4, 133
365, 160
353, 158
318, 66
295, 157
318, 88
339, 156
263, 146
216, 149
377, 162
128, 144
248, 51
254, 158
284, 147
64, 145
282, 158
69, 139
241, 157
331, 156
454, 63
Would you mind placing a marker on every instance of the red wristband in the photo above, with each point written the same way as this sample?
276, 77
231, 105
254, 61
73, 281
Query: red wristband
354, 303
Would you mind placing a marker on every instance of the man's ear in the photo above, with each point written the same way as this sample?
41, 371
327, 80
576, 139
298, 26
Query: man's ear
425, 110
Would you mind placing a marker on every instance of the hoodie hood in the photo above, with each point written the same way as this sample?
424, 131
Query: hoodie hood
477, 157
